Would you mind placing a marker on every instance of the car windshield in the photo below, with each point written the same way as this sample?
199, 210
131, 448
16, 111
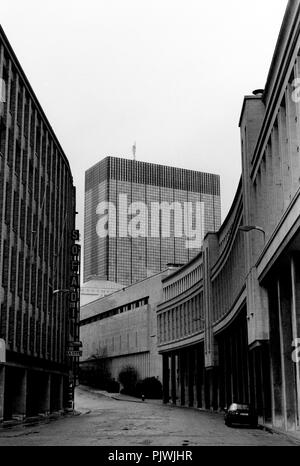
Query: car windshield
243, 407
237, 406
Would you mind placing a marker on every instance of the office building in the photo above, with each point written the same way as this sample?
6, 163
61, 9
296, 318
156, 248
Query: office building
156, 215
38, 254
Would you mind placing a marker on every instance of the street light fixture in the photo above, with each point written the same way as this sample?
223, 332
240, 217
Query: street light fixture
247, 228
60, 291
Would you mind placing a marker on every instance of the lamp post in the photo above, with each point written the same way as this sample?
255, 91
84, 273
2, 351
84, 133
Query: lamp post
60, 291
247, 228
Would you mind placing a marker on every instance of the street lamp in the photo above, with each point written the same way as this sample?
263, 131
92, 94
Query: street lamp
60, 291
247, 228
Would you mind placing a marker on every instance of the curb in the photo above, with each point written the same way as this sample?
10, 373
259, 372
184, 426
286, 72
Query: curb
114, 396
125, 399
40, 419
290, 435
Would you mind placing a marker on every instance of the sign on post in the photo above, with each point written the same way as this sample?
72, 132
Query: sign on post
74, 354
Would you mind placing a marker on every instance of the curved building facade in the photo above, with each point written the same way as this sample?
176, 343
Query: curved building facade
37, 218
229, 322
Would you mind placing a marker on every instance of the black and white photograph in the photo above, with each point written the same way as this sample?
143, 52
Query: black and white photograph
149, 227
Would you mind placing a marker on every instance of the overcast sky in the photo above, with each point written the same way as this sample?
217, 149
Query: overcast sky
168, 74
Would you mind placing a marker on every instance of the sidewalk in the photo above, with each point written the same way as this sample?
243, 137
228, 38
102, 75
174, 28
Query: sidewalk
39, 419
295, 435
119, 396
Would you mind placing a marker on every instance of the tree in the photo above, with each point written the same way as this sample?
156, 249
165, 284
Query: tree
128, 377
150, 388
95, 372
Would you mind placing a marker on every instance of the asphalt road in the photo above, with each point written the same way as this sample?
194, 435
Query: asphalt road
109, 422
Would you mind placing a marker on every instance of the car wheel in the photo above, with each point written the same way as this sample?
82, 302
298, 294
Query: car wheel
228, 424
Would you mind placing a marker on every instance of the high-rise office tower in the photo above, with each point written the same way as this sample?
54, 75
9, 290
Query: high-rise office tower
140, 216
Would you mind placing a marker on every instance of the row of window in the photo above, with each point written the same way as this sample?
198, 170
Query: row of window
228, 284
181, 321
152, 174
183, 284
118, 310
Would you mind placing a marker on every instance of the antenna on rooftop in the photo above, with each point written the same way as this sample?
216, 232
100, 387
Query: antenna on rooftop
134, 150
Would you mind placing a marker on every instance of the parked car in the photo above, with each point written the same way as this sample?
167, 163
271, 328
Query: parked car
238, 413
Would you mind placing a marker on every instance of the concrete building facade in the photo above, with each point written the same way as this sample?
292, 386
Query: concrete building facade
229, 322
120, 329
134, 189
37, 221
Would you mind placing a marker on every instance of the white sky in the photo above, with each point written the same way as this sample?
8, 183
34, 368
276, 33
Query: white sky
168, 74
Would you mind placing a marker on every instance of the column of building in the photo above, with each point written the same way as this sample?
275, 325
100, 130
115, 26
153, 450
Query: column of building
2, 387
295, 281
284, 296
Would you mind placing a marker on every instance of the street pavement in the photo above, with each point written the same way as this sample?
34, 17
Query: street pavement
126, 421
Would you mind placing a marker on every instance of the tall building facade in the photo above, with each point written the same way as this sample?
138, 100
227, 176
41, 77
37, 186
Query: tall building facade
37, 222
152, 212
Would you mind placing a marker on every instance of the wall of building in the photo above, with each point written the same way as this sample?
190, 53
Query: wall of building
37, 216
121, 329
95, 289
247, 295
